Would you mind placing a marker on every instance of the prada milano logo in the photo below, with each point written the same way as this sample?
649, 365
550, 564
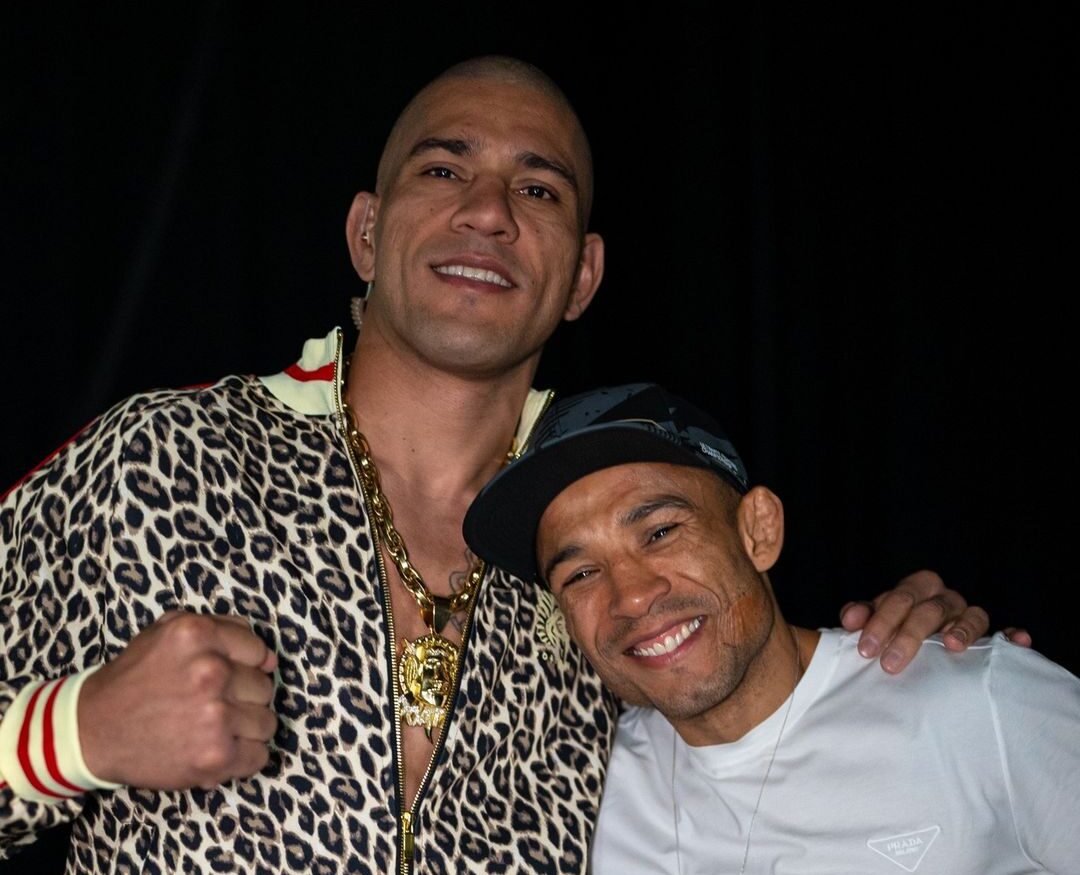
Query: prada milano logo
906, 850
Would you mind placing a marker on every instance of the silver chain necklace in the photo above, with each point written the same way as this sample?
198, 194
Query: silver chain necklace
768, 769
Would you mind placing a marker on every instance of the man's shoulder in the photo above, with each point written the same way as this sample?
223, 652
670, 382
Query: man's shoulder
990, 672
106, 441
238, 393
151, 401
211, 404
933, 661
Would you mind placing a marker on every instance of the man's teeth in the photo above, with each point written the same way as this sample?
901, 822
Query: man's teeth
473, 273
671, 641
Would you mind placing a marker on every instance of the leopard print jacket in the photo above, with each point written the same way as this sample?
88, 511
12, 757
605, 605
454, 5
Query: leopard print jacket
239, 498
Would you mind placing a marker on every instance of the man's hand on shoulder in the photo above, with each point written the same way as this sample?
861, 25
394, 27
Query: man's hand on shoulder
187, 704
896, 623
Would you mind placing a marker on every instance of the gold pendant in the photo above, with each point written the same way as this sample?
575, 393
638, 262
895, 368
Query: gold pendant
426, 673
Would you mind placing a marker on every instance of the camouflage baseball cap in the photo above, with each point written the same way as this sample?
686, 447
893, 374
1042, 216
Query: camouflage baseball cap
640, 422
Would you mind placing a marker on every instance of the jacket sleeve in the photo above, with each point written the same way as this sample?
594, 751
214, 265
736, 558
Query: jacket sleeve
55, 544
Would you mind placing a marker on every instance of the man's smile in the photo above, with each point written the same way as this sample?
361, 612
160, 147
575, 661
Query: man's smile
666, 641
477, 270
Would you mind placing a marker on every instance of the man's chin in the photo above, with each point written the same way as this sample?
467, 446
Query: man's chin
474, 353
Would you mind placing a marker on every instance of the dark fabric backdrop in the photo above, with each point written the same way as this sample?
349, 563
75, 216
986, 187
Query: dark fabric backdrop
844, 233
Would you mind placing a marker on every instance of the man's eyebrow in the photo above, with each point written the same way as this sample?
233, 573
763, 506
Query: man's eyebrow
660, 502
463, 148
635, 515
430, 144
539, 162
568, 552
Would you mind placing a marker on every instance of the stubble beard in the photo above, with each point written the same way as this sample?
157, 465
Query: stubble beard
452, 345
684, 696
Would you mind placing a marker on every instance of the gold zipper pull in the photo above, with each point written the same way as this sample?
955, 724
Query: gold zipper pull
407, 836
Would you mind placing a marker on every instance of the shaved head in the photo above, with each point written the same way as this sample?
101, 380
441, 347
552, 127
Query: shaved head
506, 71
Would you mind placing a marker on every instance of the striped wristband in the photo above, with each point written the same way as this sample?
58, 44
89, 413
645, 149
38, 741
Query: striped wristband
40, 755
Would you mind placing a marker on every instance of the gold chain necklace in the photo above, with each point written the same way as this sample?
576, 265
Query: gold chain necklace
427, 668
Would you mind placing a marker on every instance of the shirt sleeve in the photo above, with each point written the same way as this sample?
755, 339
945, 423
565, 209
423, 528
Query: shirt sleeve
1036, 708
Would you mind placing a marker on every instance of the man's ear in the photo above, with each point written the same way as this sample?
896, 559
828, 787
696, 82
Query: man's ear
360, 234
761, 527
589, 273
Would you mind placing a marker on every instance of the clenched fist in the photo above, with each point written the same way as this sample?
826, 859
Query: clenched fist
187, 704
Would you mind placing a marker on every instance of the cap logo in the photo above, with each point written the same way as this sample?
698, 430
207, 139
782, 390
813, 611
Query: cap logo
721, 458
651, 422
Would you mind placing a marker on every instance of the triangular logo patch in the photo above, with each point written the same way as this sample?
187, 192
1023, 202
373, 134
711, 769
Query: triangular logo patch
906, 850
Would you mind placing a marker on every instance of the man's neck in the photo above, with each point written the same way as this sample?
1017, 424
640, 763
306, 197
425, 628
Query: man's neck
768, 684
431, 432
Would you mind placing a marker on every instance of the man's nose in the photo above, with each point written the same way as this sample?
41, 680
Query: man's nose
486, 208
637, 588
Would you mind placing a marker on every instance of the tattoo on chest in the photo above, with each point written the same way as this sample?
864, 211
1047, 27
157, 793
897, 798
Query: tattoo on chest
457, 583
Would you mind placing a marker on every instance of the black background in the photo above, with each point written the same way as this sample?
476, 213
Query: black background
844, 232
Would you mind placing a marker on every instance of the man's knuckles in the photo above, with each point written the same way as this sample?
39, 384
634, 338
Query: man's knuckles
252, 686
265, 724
216, 723
192, 633
209, 674
213, 721
226, 757
934, 611
214, 758
188, 633
252, 757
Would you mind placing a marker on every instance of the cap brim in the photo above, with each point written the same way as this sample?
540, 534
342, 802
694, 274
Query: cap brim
500, 525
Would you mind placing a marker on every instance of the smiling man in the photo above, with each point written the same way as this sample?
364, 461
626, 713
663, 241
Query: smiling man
751, 745
255, 600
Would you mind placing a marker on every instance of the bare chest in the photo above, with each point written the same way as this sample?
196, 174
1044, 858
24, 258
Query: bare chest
444, 571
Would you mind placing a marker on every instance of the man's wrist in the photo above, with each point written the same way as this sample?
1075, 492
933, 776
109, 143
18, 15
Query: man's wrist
40, 753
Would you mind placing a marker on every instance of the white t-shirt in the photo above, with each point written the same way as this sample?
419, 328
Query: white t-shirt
963, 763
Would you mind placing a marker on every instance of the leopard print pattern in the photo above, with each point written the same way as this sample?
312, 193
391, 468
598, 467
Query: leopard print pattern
223, 500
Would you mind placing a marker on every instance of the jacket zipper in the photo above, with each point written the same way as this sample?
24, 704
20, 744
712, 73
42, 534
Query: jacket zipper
405, 827
407, 820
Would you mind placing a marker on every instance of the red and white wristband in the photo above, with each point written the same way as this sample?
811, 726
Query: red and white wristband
40, 755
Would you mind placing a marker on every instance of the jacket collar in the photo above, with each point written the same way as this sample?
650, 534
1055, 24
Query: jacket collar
307, 386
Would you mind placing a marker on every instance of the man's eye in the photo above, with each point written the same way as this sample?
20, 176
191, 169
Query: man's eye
538, 191
662, 532
578, 576
441, 173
